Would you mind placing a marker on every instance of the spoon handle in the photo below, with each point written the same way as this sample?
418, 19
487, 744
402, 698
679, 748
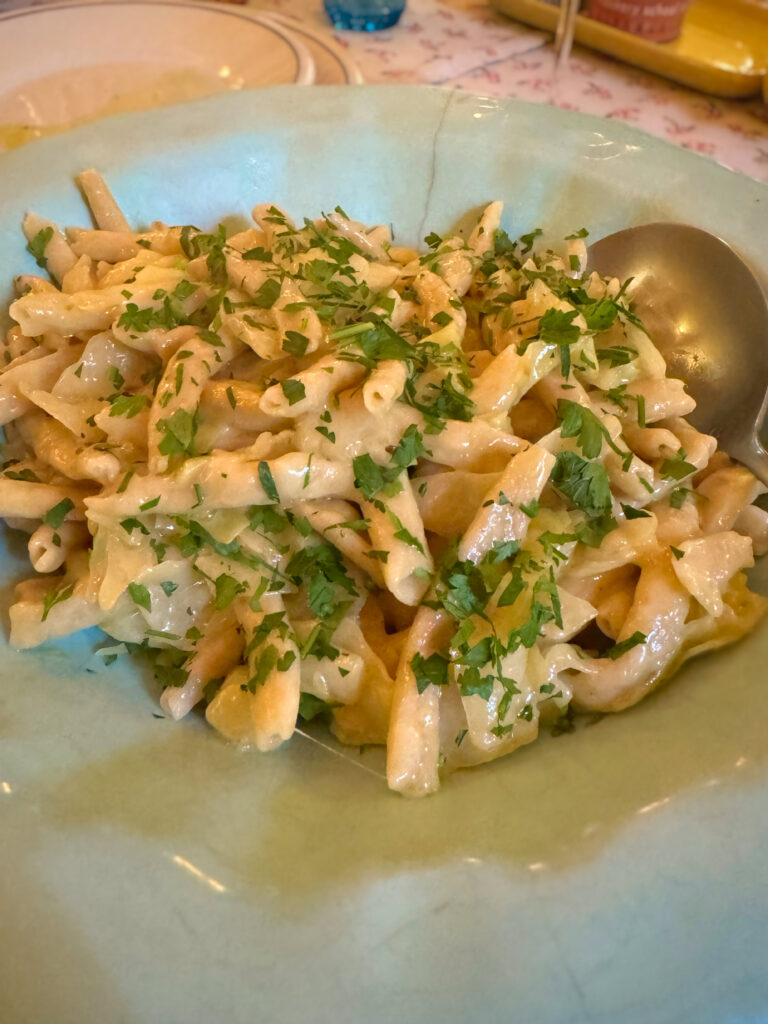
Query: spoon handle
752, 454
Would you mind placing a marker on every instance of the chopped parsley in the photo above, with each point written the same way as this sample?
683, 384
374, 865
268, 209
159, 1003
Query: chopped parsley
586, 485
617, 355
678, 496
129, 525
169, 666
589, 430
321, 565
556, 327
268, 482
196, 243
442, 319
39, 244
54, 597
267, 295
179, 432
295, 344
401, 533
258, 253
619, 649
55, 516
371, 479
293, 390
430, 670
128, 405
677, 468
26, 475
227, 589
125, 481
140, 595
528, 239
267, 518
443, 401
311, 707
115, 378
634, 513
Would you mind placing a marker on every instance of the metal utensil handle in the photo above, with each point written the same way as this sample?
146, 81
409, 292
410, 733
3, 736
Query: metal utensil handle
752, 454
566, 26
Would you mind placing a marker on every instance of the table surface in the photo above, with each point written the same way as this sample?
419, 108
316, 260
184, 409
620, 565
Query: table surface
466, 45
463, 44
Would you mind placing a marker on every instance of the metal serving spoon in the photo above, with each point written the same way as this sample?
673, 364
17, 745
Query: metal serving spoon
708, 316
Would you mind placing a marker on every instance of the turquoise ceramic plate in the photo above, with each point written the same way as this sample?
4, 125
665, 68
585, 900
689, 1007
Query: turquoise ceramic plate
151, 873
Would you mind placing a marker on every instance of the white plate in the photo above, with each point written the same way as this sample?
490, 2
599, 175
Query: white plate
333, 66
64, 64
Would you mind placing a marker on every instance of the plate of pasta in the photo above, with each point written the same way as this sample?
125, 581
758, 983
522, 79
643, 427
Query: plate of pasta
371, 461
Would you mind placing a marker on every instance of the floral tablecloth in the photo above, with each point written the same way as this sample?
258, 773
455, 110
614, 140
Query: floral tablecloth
464, 44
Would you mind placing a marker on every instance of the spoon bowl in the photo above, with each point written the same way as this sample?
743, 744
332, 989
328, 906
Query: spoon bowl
708, 316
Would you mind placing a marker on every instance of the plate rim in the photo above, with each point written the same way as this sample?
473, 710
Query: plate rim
452, 97
351, 68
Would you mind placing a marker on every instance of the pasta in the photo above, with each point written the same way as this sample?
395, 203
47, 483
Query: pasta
442, 498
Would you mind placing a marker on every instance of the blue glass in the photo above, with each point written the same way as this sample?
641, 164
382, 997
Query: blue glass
364, 15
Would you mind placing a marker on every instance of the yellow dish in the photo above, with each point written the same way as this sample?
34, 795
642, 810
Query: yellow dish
723, 48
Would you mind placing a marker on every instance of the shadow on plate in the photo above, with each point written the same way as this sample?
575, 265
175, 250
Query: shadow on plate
77, 985
315, 824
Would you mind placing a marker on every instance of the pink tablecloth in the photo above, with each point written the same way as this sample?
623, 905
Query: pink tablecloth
463, 43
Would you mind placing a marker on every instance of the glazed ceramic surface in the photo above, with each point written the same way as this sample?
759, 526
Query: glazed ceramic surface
333, 65
65, 64
149, 872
